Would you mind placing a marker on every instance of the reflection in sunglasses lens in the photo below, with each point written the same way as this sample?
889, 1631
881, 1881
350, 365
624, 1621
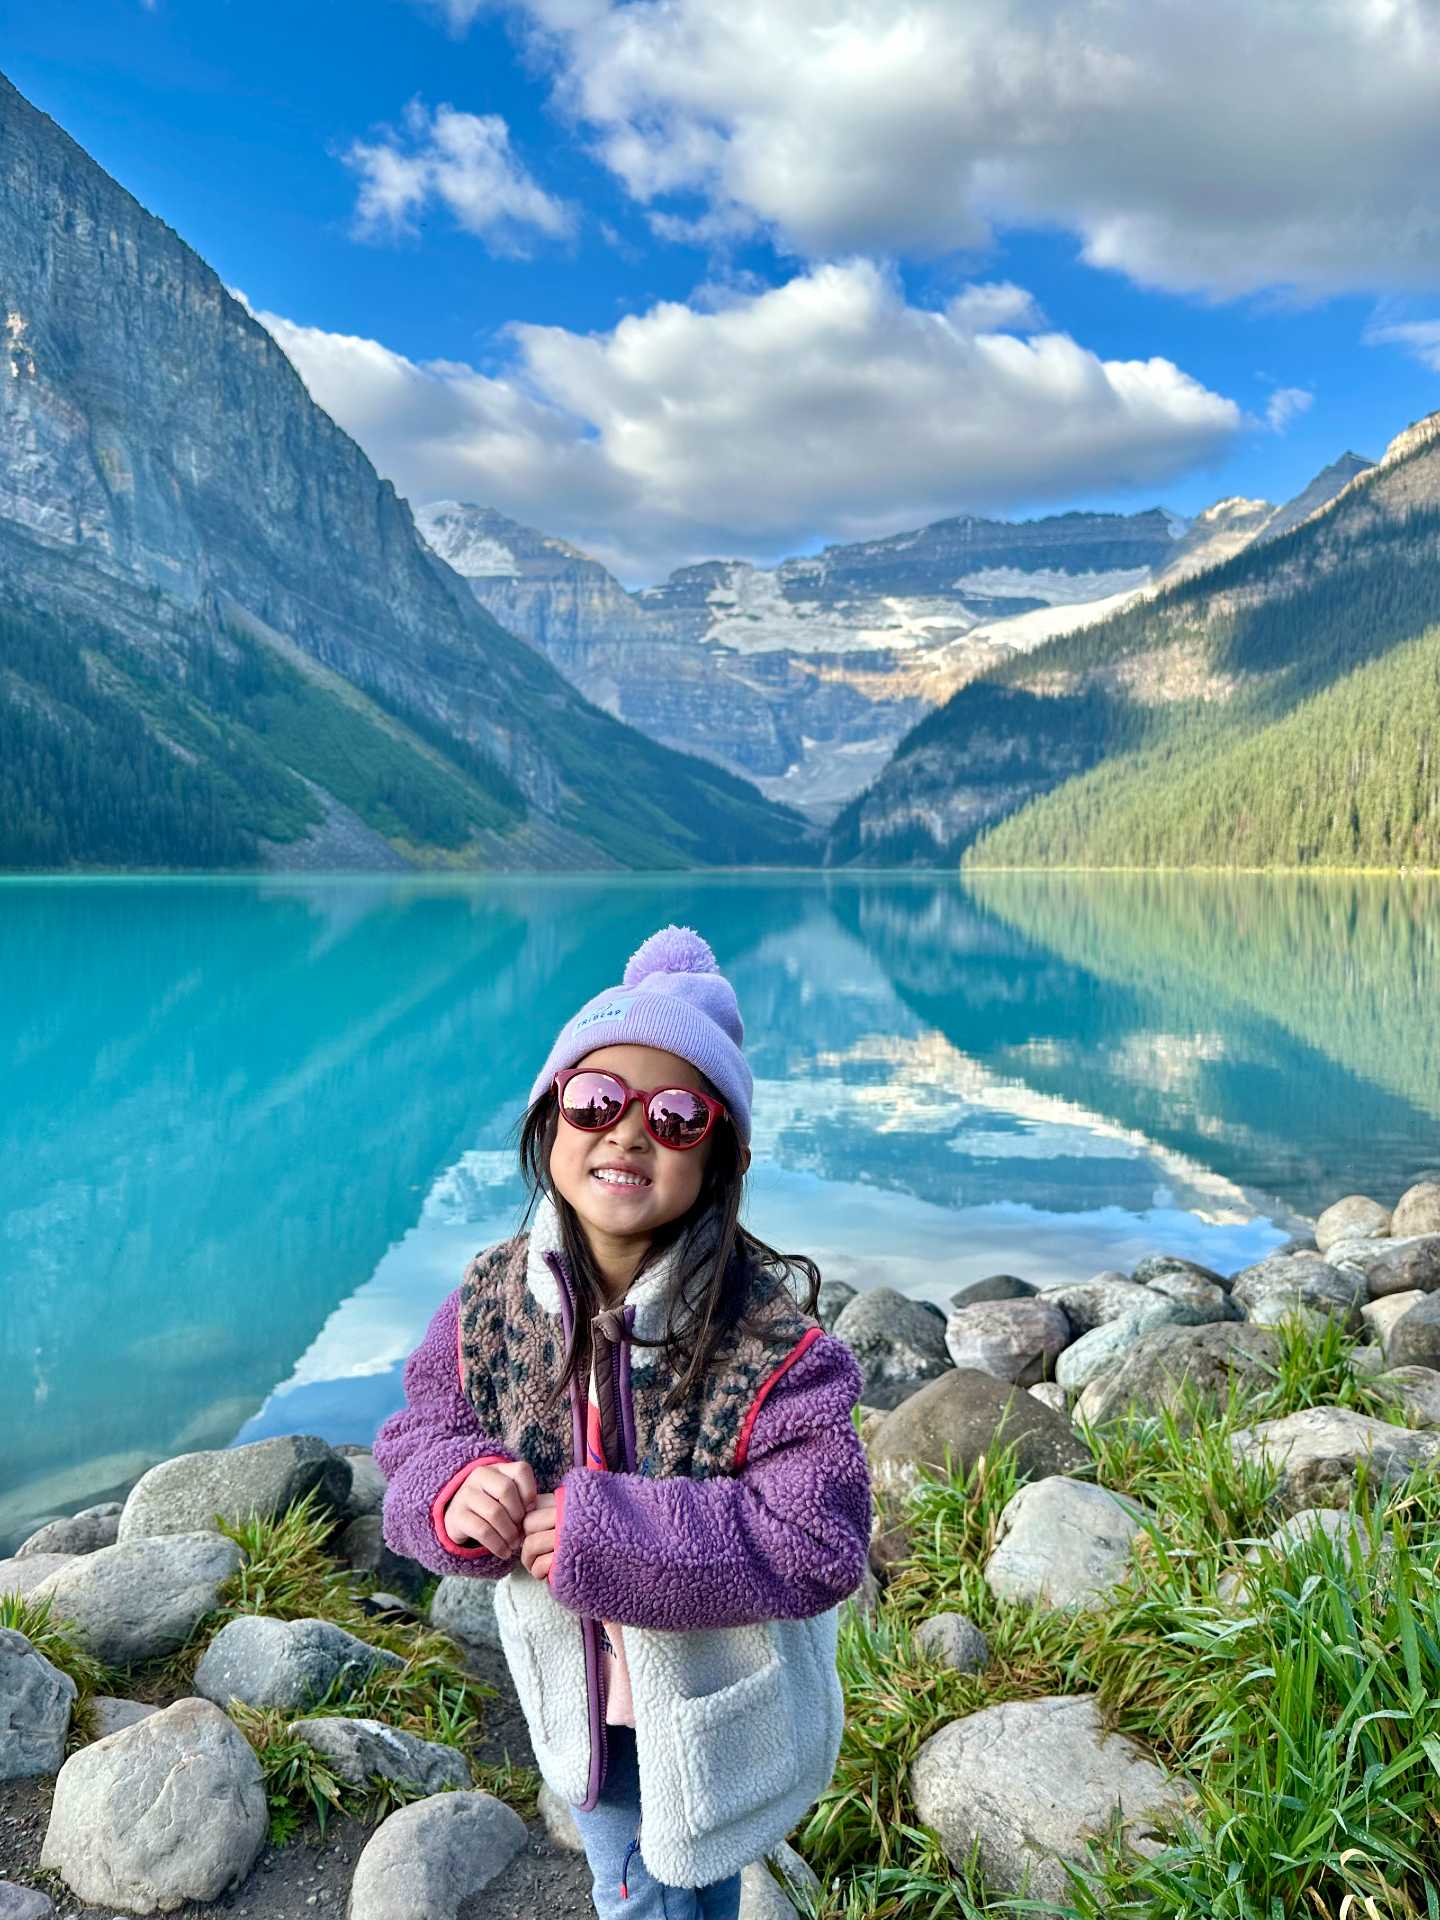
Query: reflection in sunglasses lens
677, 1117
591, 1100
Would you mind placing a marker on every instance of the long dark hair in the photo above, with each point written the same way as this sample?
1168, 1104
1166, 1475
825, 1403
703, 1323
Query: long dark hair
718, 1258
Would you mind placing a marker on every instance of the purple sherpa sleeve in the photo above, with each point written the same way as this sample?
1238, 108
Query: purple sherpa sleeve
783, 1538
425, 1450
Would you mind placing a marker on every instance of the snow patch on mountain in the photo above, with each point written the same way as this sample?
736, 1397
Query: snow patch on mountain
1055, 587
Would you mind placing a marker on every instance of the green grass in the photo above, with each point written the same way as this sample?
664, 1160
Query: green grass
1305, 1710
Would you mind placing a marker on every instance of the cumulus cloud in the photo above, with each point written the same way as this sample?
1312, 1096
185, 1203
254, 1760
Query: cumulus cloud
1285, 404
1419, 338
826, 406
462, 161
1219, 149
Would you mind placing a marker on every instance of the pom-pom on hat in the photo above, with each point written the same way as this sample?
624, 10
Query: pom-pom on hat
672, 996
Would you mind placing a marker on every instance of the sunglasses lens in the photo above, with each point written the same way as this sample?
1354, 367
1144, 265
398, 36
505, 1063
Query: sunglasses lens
591, 1100
677, 1116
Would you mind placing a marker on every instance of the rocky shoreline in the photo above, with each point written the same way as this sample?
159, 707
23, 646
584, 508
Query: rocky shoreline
139, 1642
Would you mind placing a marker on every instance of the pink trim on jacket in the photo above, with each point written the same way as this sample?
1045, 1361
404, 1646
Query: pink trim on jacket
443, 1499
801, 1346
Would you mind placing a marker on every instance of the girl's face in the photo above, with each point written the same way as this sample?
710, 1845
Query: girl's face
664, 1183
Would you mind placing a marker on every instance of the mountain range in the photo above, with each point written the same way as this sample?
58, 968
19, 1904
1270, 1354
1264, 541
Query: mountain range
805, 676
222, 641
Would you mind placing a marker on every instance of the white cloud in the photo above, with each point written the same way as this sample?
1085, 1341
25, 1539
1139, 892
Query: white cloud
1218, 149
824, 406
465, 162
1286, 403
1419, 338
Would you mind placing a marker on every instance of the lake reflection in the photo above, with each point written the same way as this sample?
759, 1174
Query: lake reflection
252, 1130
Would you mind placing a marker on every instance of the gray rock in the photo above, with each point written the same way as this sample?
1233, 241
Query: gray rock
1050, 1394
465, 1608
185, 1494
142, 1598
1417, 1390
363, 1546
558, 1817
1198, 1302
1354, 1218
1300, 1244
1063, 1543
24, 1576
173, 1809
1336, 1523
113, 1716
1366, 1362
883, 1396
1016, 1340
367, 1485
35, 1702
960, 1416
1304, 1284
1382, 1316
1318, 1453
866, 1598
1104, 1346
892, 1338
835, 1296
1167, 1362
357, 1749
955, 1641
428, 1859
1406, 1266
1361, 1254
994, 1286
1088, 1304
1417, 1211
81, 1532
1414, 1339
1031, 1781
24, 1903
771, 1888
284, 1663
1155, 1264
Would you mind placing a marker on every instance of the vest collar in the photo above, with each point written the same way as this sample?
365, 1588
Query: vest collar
649, 1297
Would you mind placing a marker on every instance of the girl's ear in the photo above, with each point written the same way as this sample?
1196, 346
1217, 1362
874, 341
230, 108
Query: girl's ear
744, 1159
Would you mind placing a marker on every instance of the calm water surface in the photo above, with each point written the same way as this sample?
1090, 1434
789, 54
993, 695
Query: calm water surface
252, 1130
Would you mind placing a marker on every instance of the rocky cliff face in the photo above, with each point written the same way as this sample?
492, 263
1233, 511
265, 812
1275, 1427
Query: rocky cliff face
164, 472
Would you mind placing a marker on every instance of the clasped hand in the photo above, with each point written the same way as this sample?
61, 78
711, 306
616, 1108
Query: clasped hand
498, 1506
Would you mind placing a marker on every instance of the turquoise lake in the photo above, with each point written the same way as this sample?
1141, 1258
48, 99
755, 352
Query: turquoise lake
251, 1130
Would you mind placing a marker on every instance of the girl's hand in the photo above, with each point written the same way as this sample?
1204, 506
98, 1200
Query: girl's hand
489, 1506
537, 1551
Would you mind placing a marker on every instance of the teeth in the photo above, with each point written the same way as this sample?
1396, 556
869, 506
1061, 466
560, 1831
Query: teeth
615, 1179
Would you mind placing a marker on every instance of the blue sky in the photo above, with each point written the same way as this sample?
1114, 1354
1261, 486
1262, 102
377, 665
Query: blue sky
781, 215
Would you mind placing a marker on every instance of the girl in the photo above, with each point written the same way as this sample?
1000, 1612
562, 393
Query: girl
671, 1545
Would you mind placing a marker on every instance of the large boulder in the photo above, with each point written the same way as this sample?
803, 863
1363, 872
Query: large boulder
894, 1339
1168, 1362
35, 1702
992, 1286
1298, 1284
1356, 1217
1197, 1301
1418, 1210
957, 1419
23, 1576
427, 1860
835, 1296
1405, 1266
1416, 1390
1155, 1264
1016, 1340
1032, 1781
285, 1663
111, 1714
1088, 1304
367, 1485
464, 1607
1381, 1317
1063, 1543
186, 1494
364, 1547
1414, 1339
778, 1886
171, 1810
357, 1750
142, 1598
24, 1903
82, 1532
1319, 1452
1337, 1524
1105, 1346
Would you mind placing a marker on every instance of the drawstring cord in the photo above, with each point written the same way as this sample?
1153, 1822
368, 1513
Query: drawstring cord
630, 1852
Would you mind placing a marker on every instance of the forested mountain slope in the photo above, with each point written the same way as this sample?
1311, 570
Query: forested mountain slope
1277, 710
222, 641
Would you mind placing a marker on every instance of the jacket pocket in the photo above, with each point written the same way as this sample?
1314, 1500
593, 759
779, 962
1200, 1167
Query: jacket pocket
737, 1750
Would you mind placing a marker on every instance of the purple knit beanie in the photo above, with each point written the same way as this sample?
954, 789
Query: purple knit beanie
673, 996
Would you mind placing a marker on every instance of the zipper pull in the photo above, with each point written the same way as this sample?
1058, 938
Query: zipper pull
611, 1322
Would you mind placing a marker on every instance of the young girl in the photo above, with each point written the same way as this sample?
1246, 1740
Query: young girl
671, 1544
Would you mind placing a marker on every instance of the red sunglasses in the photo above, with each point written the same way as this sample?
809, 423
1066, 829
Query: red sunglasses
678, 1117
